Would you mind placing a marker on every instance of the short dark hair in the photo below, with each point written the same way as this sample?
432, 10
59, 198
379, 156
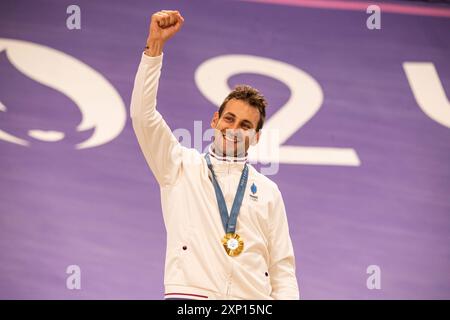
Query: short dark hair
251, 96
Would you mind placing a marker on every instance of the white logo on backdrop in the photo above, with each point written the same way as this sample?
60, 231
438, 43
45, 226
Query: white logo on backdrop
101, 106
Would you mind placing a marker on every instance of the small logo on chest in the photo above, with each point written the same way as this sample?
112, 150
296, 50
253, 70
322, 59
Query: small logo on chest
253, 194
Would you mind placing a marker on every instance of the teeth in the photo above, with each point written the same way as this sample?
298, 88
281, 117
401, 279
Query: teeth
230, 139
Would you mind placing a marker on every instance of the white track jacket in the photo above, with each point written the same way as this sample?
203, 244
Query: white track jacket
197, 266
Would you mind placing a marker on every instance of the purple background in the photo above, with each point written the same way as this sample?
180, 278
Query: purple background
99, 208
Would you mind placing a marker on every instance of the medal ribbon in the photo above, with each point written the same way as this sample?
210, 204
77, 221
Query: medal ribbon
229, 223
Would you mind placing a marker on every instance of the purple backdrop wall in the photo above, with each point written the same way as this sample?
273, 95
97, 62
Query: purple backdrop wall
99, 207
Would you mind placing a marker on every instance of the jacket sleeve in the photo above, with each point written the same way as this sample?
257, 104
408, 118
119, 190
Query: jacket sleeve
282, 260
161, 149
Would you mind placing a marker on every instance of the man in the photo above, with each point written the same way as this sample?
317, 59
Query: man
227, 232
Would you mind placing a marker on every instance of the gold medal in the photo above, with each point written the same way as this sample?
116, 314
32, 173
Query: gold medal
233, 244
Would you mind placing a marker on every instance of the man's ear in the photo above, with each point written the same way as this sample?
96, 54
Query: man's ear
255, 138
214, 120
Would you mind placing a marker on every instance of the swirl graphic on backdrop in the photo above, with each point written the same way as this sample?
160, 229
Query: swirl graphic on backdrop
101, 106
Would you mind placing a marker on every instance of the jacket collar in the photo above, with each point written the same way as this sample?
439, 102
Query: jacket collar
226, 164
225, 158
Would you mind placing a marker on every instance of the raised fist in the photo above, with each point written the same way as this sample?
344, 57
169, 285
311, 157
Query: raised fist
164, 24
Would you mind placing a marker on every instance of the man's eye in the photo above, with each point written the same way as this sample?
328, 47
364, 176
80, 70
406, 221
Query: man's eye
229, 119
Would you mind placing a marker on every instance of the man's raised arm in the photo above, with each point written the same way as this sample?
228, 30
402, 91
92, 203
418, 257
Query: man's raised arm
161, 149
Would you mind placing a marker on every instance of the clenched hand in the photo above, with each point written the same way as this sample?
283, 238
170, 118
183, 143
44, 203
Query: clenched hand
163, 25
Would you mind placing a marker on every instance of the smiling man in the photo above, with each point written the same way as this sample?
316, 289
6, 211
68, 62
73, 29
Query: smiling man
227, 231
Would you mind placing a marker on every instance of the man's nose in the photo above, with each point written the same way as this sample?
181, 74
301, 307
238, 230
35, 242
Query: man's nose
235, 126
